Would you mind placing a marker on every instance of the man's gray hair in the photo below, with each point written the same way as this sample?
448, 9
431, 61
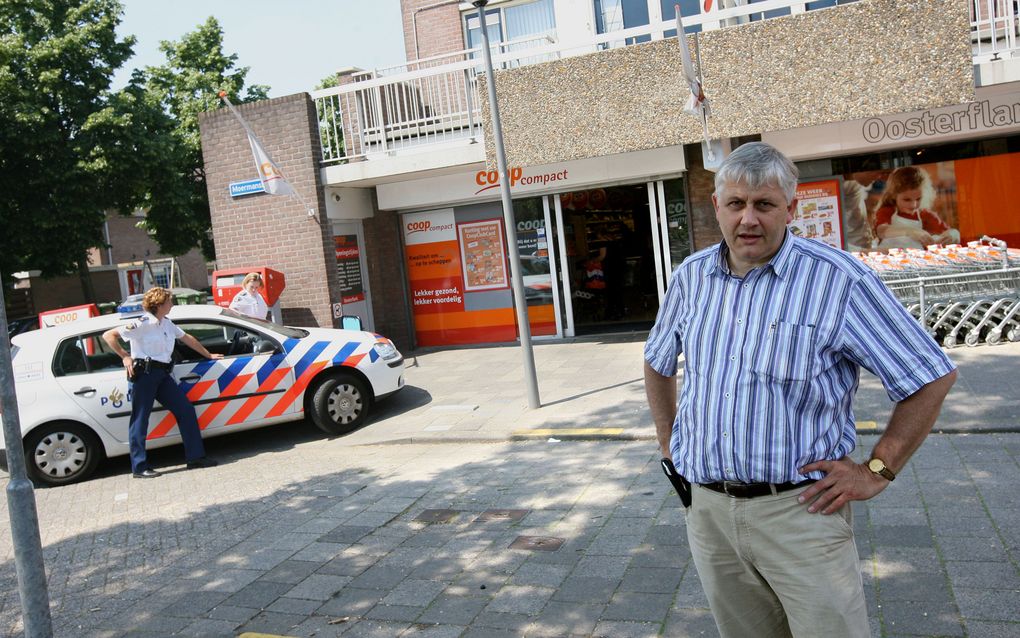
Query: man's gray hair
758, 164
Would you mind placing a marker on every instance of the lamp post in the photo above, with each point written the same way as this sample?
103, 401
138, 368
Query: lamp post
28, 557
517, 282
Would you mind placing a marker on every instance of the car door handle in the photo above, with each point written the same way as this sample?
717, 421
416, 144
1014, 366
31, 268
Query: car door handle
84, 391
191, 377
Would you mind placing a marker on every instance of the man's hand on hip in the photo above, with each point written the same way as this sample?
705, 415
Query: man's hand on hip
844, 481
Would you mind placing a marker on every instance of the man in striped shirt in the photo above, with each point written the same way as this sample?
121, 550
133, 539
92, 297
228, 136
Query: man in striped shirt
774, 330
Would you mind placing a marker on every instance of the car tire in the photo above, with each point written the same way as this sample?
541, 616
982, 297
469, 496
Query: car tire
62, 452
340, 404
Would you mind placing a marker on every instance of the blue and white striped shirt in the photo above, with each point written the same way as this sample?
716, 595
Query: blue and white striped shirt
772, 361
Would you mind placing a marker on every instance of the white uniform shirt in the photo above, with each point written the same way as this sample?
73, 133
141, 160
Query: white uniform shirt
151, 338
251, 304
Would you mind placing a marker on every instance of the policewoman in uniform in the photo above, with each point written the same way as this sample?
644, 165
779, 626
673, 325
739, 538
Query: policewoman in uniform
152, 338
249, 301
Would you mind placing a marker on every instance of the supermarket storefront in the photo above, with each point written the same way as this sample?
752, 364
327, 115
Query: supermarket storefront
597, 239
964, 159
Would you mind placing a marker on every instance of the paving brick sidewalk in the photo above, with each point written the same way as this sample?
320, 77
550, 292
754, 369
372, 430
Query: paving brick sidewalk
323, 538
299, 535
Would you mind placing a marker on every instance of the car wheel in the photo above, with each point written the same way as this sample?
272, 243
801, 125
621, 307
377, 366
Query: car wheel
61, 453
340, 404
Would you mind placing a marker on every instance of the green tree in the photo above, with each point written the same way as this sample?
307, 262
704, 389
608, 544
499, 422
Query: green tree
196, 70
331, 131
66, 142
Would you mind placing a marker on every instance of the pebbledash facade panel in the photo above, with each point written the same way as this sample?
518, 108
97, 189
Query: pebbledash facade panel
610, 188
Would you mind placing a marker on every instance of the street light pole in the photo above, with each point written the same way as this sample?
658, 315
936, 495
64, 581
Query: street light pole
28, 557
517, 282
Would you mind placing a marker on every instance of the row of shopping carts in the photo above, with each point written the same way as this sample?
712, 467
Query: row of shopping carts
968, 294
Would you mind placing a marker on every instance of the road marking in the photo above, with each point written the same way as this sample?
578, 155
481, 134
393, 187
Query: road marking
867, 425
567, 432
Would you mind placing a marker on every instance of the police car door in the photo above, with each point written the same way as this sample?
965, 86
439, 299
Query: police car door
245, 388
94, 377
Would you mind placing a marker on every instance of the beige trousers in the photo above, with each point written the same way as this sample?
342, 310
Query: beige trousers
769, 568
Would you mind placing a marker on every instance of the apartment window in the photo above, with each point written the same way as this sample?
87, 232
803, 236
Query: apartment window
616, 15
688, 9
525, 21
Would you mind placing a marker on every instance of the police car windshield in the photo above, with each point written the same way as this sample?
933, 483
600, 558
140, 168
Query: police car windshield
294, 333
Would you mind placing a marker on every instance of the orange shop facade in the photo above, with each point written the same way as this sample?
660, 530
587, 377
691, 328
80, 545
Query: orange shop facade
592, 234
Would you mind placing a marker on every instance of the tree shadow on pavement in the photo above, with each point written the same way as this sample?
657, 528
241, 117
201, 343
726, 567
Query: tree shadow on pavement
351, 543
324, 537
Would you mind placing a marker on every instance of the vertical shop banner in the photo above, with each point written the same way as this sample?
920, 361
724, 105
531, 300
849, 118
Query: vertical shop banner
483, 255
819, 213
348, 268
434, 274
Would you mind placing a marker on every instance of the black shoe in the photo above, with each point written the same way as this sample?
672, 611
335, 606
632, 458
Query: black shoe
149, 473
204, 461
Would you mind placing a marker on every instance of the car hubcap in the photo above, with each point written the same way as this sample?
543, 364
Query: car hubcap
345, 404
60, 454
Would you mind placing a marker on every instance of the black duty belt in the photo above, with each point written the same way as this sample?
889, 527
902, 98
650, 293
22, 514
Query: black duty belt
144, 365
752, 490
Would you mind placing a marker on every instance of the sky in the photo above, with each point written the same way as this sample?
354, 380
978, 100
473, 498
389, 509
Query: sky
289, 46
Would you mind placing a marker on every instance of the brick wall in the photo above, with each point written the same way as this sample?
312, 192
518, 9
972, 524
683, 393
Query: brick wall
273, 230
65, 291
384, 257
439, 28
700, 186
130, 243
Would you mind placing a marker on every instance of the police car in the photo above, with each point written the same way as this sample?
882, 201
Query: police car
75, 403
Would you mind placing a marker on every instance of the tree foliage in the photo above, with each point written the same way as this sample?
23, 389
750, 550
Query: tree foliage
196, 70
67, 144
71, 149
331, 132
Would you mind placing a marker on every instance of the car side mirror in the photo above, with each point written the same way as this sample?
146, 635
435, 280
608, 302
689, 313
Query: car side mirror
351, 322
264, 346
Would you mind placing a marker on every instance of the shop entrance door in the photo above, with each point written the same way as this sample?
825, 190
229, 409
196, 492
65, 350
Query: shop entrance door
355, 297
607, 259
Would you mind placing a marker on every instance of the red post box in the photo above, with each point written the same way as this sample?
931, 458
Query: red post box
227, 283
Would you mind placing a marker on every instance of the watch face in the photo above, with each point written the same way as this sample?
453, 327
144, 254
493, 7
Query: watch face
876, 465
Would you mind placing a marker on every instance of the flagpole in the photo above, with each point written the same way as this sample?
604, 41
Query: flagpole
251, 134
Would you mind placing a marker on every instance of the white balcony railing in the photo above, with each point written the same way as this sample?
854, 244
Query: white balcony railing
994, 27
426, 103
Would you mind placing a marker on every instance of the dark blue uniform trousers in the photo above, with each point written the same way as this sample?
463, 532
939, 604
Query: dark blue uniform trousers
158, 384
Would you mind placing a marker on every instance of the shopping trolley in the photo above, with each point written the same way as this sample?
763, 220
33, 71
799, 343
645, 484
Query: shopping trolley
958, 293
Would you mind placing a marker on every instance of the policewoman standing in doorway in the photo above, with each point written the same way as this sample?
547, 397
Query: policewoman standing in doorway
152, 337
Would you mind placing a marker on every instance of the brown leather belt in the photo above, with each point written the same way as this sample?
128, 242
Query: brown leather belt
753, 490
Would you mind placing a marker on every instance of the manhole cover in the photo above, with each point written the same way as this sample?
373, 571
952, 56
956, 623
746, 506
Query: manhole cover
537, 543
502, 515
436, 516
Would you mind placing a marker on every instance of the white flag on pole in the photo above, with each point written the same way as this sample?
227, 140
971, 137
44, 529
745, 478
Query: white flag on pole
697, 103
272, 178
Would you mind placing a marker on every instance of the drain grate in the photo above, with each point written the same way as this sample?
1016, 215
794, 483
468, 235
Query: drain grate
502, 515
537, 543
437, 516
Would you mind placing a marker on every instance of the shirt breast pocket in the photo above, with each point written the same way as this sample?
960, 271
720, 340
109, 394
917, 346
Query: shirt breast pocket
787, 353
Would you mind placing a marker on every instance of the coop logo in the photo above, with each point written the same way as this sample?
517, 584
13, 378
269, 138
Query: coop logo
426, 226
490, 179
